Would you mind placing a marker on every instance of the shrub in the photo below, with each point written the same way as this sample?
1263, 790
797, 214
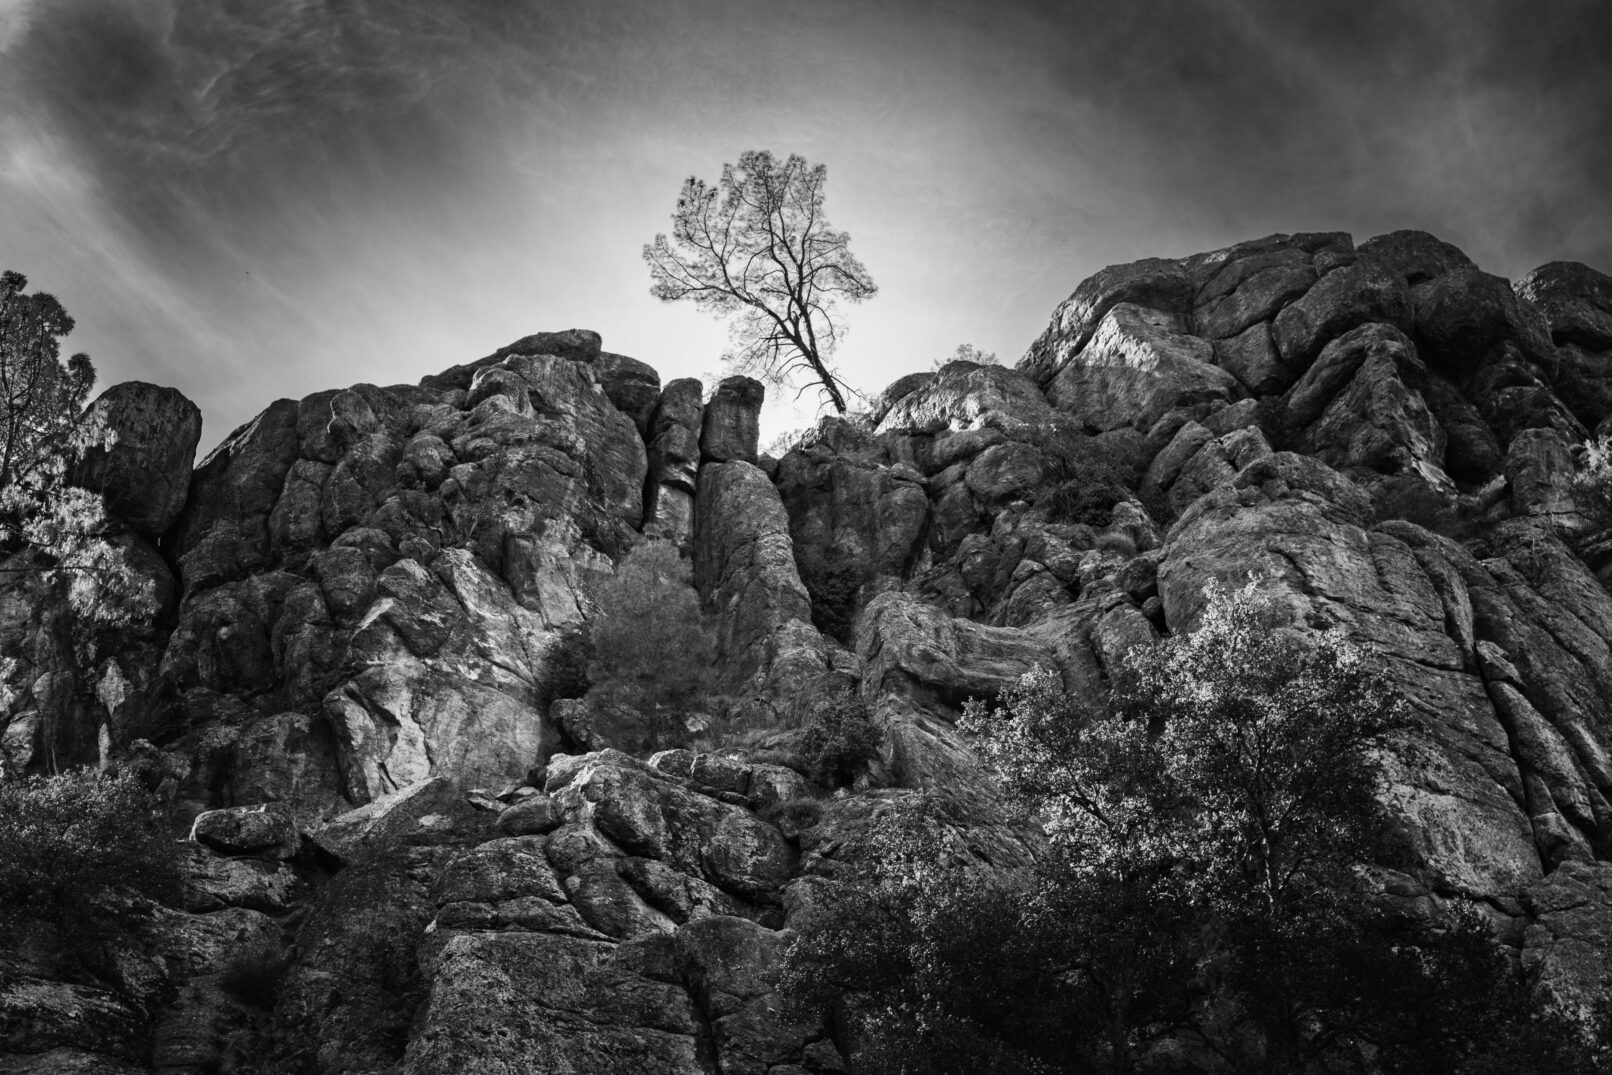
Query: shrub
1118, 544
1592, 485
653, 648
1088, 478
841, 738
68, 841
1199, 884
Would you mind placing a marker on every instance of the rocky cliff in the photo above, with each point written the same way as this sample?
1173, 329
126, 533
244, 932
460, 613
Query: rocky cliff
350, 682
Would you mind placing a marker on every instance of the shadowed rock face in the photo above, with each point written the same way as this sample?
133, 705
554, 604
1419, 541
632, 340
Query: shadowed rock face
367, 600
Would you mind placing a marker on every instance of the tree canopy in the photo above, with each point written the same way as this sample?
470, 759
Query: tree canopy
757, 247
1198, 903
40, 396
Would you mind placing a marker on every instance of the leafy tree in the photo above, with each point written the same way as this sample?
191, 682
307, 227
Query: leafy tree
40, 396
652, 646
757, 247
69, 841
1203, 830
56, 532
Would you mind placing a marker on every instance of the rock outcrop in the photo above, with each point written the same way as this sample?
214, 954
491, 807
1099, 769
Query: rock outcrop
366, 608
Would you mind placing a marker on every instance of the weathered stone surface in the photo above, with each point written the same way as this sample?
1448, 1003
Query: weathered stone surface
349, 997
222, 533
1570, 933
732, 426
264, 831
1576, 301
896, 391
426, 812
1460, 315
963, 396
508, 1002
1414, 255
650, 816
537, 814
850, 510
1155, 284
632, 386
1380, 421
387, 585
1341, 300
143, 446
744, 566
1539, 473
1251, 357
1250, 290
729, 964
1133, 369
213, 882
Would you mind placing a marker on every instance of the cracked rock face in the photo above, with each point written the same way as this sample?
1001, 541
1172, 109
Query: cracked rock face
362, 615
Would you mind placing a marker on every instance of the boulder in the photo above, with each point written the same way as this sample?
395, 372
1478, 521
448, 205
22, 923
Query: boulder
1414, 256
1576, 301
1249, 290
632, 386
732, 426
418, 812
529, 817
1134, 368
1348, 296
213, 882
261, 831
1154, 284
1462, 314
648, 815
1251, 357
142, 446
963, 396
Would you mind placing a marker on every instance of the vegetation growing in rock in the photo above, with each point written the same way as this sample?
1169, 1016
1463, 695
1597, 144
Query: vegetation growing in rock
840, 738
71, 843
653, 647
967, 352
1197, 897
757, 247
1088, 479
40, 395
1592, 487
50, 531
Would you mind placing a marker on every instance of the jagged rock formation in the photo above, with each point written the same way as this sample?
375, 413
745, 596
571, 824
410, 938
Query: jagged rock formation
351, 677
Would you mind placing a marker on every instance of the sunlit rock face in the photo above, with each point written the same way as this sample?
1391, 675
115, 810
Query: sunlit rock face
365, 614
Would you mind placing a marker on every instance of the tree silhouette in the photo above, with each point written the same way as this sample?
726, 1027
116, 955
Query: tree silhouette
756, 246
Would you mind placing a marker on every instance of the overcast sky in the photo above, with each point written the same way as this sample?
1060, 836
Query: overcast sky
249, 199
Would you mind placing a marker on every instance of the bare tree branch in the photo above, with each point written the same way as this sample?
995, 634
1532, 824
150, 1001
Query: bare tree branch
756, 245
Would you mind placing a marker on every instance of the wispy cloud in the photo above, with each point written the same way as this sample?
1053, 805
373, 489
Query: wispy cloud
261, 199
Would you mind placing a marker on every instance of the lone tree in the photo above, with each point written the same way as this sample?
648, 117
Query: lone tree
757, 246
